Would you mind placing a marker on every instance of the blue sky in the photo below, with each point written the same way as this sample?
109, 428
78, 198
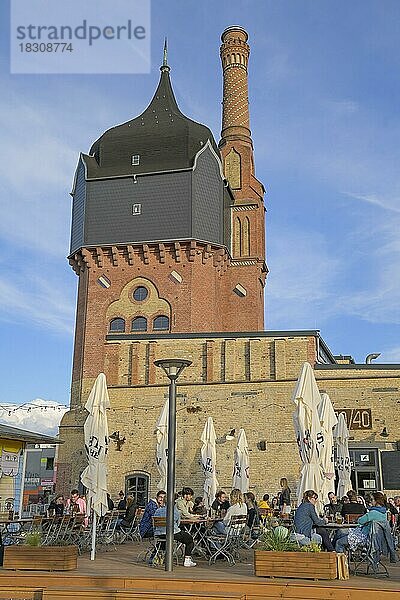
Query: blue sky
324, 92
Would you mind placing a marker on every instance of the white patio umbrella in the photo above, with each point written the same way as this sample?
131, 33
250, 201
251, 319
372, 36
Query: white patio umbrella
209, 462
162, 446
343, 464
94, 477
328, 421
241, 468
308, 430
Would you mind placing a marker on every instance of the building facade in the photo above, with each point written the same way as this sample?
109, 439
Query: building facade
168, 239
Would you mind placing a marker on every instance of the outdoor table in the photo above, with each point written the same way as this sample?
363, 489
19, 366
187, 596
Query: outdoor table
333, 527
198, 530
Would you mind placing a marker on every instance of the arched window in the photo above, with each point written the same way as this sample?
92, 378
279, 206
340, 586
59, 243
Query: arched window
117, 325
139, 324
161, 323
137, 484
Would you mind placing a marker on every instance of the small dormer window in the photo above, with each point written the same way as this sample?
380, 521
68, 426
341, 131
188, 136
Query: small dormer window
135, 160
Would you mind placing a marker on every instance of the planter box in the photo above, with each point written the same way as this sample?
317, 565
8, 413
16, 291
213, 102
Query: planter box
40, 558
301, 565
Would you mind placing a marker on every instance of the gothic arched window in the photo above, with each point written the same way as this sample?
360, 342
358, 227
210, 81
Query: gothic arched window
237, 242
246, 237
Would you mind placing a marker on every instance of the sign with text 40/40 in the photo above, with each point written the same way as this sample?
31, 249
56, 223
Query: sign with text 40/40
356, 418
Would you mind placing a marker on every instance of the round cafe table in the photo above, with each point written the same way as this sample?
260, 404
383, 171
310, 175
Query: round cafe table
333, 527
198, 530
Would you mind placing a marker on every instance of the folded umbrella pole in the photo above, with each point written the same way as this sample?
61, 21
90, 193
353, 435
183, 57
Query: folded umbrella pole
94, 477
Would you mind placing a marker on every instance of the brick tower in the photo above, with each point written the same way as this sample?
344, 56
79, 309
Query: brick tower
236, 146
151, 236
151, 224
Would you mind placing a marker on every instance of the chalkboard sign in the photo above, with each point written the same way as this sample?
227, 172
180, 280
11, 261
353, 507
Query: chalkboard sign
391, 470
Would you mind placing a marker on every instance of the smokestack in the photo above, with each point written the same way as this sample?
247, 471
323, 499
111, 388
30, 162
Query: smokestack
235, 53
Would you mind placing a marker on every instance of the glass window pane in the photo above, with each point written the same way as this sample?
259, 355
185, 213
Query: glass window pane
139, 324
161, 323
140, 293
117, 325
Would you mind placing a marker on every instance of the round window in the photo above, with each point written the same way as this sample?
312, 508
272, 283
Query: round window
140, 293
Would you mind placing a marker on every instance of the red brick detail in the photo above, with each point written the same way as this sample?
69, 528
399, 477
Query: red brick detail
135, 363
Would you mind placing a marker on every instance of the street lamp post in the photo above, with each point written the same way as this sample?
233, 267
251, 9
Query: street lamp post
172, 367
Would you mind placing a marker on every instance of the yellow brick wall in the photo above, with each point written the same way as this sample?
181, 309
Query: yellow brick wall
251, 386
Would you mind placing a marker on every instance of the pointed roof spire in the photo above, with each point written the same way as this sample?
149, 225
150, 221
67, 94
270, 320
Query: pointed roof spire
165, 66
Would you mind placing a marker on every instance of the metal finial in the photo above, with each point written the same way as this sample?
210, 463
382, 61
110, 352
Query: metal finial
165, 57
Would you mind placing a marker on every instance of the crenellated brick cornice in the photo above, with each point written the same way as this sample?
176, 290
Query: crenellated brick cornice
144, 253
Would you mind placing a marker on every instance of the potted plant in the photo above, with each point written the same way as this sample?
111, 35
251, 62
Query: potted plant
281, 556
31, 555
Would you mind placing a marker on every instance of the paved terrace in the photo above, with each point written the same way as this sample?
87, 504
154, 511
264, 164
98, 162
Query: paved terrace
116, 574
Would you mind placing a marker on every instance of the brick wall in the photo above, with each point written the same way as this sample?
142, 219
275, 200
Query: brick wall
240, 382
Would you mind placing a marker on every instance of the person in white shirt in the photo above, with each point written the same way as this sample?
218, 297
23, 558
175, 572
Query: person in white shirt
238, 507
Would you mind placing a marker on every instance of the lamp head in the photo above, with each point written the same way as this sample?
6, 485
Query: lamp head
384, 432
172, 367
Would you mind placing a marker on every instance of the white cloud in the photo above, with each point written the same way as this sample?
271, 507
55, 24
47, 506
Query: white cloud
39, 416
301, 285
36, 300
391, 204
391, 355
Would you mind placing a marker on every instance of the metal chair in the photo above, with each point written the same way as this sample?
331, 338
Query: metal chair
379, 541
131, 533
155, 553
228, 545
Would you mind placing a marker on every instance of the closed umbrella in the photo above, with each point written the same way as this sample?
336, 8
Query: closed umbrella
94, 477
343, 464
308, 431
241, 468
209, 462
162, 446
328, 421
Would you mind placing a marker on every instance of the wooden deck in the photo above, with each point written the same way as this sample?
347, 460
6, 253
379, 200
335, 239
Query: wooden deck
116, 575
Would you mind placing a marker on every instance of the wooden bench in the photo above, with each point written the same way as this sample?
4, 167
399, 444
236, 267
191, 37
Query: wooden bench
20, 593
133, 593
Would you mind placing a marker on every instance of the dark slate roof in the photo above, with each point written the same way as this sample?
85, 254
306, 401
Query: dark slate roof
12, 433
162, 135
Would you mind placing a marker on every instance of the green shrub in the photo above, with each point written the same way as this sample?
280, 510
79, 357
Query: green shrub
311, 547
33, 538
278, 540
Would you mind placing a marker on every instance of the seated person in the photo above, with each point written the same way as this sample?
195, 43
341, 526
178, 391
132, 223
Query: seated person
376, 513
75, 504
275, 503
180, 536
238, 507
198, 507
221, 502
121, 501
146, 522
253, 516
306, 518
185, 504
352, 507
110, 502
333, 507
56, 507
130, 513
264, 503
